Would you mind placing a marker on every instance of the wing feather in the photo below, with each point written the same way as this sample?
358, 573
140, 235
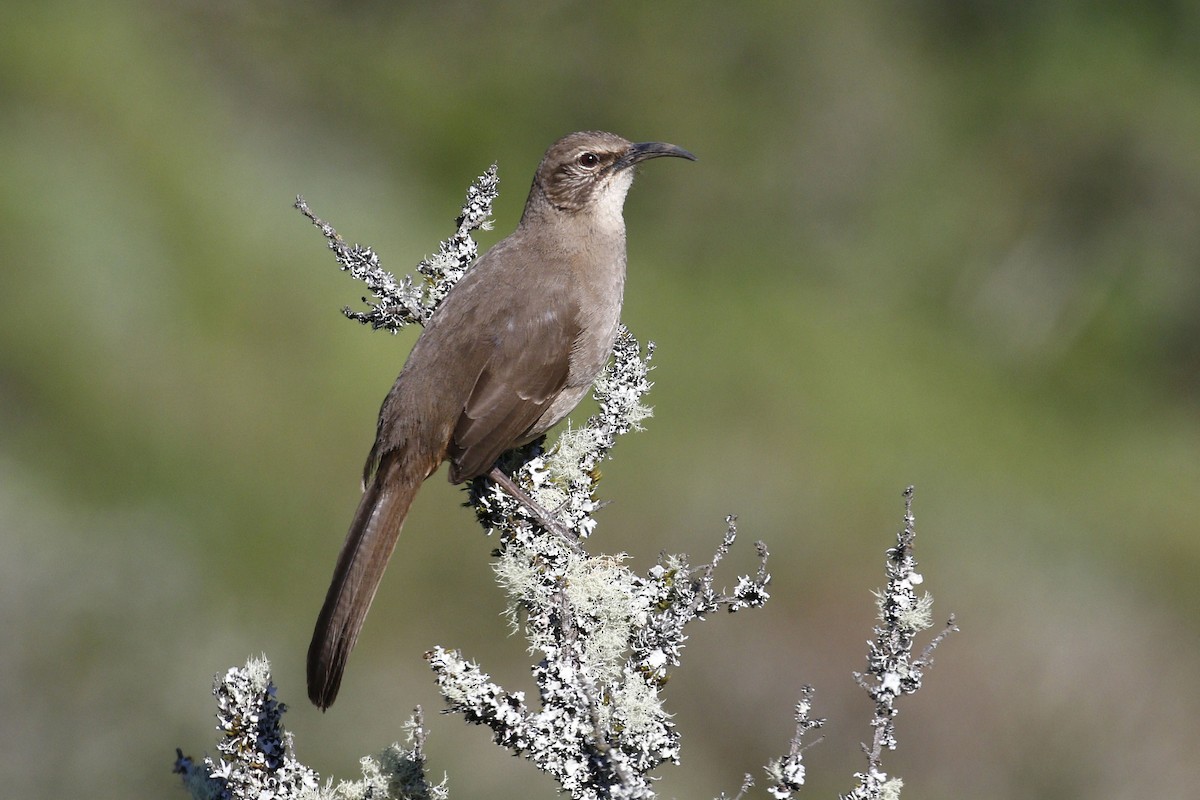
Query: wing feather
527, 370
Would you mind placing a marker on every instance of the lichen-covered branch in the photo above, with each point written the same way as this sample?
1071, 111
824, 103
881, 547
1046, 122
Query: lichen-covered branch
892, 669
257, 759
787, 774
606, 636
405, 301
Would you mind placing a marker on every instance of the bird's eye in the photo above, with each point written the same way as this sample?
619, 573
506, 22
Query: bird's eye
588, 160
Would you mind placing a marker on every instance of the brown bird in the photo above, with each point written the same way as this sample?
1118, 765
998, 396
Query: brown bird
511, 351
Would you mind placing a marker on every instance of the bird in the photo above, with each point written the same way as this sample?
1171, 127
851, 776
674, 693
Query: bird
511, 350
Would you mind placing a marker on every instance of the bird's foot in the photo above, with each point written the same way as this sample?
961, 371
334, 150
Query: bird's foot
548, 520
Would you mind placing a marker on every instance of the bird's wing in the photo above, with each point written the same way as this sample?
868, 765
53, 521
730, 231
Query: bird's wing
525, 372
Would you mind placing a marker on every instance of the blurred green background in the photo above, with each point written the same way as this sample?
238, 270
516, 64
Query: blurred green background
953, 244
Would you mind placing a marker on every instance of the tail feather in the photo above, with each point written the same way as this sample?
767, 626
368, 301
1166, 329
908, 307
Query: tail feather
360, 565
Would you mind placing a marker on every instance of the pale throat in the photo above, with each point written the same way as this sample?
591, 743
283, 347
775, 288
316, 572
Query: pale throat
609, 201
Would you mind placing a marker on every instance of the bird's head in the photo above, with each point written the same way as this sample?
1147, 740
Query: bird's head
592, 171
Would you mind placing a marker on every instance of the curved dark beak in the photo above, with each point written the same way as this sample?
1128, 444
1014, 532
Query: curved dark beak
646, 150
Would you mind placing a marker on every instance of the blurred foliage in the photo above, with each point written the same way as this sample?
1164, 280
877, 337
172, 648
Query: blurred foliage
955, 244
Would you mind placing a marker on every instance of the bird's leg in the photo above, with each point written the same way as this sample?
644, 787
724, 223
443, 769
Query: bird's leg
545, 517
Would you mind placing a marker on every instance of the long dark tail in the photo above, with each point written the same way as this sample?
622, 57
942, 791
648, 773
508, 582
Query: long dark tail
365, 554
